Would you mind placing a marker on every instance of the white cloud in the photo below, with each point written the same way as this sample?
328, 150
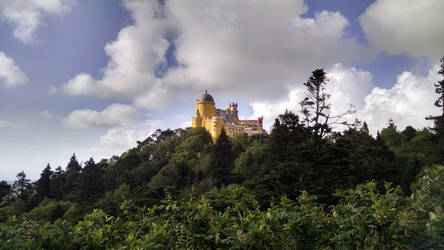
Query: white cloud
9, 124
10, 74
408, 102
251, 49
80, 84
254, 49
26, 15
406, 26
113, 115
133, 58
119, 139
348, 86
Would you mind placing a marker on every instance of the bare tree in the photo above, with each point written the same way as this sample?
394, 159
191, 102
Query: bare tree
315, 106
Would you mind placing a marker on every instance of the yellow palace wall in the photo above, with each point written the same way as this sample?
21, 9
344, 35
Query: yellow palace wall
206, 117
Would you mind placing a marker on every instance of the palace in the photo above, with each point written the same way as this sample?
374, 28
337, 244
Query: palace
214, 120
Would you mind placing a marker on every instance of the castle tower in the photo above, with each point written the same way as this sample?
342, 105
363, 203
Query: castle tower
205, 106
206, 115
233, 108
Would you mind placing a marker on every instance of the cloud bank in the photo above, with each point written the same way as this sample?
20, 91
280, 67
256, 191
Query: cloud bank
408, 102
406, 26
250, 49
10, 74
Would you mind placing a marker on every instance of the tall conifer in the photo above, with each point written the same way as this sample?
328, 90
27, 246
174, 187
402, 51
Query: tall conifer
439, 119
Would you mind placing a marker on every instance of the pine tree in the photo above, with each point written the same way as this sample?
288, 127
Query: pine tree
43, 185
223, 158
91, 182
409, 133
315, 106
286, 134
439, 119
57, 182
5, 189
22, 187
364, 129
391, 136
73, 164
71, 179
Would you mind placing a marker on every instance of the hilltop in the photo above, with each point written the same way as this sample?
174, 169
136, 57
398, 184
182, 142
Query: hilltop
300, 186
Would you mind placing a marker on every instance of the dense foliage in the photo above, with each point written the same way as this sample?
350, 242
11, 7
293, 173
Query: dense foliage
300, 186
232, 218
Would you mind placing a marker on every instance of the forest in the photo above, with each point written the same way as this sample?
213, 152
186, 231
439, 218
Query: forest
302, 185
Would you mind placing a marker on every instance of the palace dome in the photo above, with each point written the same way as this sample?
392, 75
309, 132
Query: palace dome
206, 97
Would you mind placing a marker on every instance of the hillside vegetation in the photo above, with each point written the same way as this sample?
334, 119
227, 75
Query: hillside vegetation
301, 186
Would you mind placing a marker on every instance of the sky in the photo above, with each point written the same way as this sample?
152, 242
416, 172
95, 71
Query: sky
92, 77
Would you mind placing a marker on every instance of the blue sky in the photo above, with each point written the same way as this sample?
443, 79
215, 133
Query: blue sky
92, 77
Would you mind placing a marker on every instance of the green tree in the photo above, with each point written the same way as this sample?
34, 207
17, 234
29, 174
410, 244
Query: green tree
22, 187
5, 189
57, 183
48, 210
71, 179
178, 159
70, 188
223, 159
409, 133
392, 137
439, 119
73, 164
287, 134
356, 157
43, 185
91, 183
252, 162
120, 172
